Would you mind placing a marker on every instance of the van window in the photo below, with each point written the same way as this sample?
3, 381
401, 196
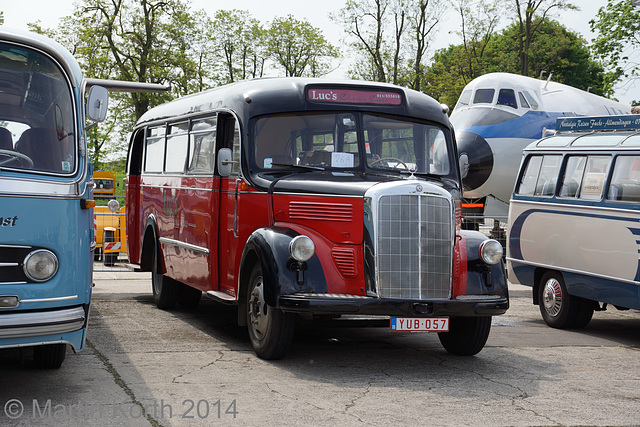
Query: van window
625, 182
483, 96
507, 97
540, 176
584, 177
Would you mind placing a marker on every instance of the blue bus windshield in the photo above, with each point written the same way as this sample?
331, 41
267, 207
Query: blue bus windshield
36, 113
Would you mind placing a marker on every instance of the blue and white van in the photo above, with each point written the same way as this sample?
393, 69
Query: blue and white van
574, 219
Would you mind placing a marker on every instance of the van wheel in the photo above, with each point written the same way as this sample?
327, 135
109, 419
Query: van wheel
558, 308
165, 289
49, 356
270, 329
466, 335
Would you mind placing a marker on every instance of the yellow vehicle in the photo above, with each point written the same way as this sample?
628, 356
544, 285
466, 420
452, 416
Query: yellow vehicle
110, 232
104, 185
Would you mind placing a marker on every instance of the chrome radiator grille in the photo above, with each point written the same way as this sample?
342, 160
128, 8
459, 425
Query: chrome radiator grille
414, 246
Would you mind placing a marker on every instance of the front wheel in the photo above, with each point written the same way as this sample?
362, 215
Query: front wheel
165, 289
49, 356
558, 308
270, 329
466, 336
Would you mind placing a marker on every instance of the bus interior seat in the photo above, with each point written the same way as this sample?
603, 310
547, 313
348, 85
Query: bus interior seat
569, 189
549, 187
626, 192
42, 146
321, 157
6, 140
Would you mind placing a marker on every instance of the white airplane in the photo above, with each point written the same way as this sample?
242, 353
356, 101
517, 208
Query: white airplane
496, 117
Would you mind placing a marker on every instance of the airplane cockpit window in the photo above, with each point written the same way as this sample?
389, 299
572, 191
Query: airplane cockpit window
523, 101
532, 101
507, 97
483, 96
464, 99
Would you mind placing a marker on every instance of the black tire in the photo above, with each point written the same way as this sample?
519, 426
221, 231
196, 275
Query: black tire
559, 309
189, 297
466, 336
109, 259
49, 356
270, 329
165, 289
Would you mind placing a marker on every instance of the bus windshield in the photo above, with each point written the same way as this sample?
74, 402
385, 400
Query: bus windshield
36, 113
344, 140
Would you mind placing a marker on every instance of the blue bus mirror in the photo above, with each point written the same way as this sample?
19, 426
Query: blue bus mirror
97, 103
225, 161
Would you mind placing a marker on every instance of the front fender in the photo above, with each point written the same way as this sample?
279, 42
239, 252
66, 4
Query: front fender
482, 279
269, 246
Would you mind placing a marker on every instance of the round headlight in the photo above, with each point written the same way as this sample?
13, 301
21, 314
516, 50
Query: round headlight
491, 251
302, 248
41, 265
113, 205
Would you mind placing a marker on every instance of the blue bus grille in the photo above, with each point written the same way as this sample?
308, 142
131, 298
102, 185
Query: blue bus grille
414, 247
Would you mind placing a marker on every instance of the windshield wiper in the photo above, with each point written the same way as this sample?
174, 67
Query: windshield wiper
304, 167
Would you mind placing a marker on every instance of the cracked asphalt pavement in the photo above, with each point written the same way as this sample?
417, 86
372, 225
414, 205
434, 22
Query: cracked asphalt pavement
144, 366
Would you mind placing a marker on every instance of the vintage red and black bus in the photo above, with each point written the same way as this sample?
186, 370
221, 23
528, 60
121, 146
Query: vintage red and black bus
294, 196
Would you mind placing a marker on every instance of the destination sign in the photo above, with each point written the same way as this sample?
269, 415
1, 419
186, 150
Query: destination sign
580, 124
354, 96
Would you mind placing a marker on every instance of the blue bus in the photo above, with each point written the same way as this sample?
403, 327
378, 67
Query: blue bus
46, 196
574, 219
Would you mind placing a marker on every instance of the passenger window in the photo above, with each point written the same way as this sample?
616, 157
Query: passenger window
177, 147
584, 177
483, 96
201, 150
625, 182
507, 97
154, 153
527, 184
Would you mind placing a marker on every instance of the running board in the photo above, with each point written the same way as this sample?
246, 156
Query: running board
221, 297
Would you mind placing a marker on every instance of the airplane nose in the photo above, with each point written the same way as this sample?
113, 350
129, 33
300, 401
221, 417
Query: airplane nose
476, 155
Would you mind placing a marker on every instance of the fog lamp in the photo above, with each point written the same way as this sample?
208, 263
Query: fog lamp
491, 251
302, 248
40, 265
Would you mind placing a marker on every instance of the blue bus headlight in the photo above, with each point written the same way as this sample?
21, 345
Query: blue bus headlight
491, 251
40, 265
302, 248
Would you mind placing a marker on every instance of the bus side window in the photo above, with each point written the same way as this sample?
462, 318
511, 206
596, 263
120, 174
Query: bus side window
177, 147
527, 184
594, 177
154, 149
625, 182
572, 176
201, 148
546, 184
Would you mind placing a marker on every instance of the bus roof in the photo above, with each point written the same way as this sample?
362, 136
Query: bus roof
286, 94
50, 47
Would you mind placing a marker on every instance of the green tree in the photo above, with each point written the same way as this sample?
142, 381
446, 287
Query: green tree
530, 15
617, 42
298, 48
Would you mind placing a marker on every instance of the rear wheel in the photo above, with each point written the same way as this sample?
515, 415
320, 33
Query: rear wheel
49, 356
270, 329
165, 289
558, 308
466, 336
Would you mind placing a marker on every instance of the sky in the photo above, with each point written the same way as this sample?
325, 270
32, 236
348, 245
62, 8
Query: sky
18, 13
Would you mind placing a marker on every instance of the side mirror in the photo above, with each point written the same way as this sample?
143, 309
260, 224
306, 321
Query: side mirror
97, 103
225, 161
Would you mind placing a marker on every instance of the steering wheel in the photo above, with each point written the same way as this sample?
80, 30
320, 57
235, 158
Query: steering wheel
14, 155
388, 159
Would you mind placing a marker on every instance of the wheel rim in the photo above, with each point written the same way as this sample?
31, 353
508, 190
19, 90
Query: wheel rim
258, 310
552, 297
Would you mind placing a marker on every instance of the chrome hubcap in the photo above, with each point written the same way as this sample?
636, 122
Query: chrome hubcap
552, 297
258, 310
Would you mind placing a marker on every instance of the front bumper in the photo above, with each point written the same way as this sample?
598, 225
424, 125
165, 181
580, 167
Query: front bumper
40, 323
348, 304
